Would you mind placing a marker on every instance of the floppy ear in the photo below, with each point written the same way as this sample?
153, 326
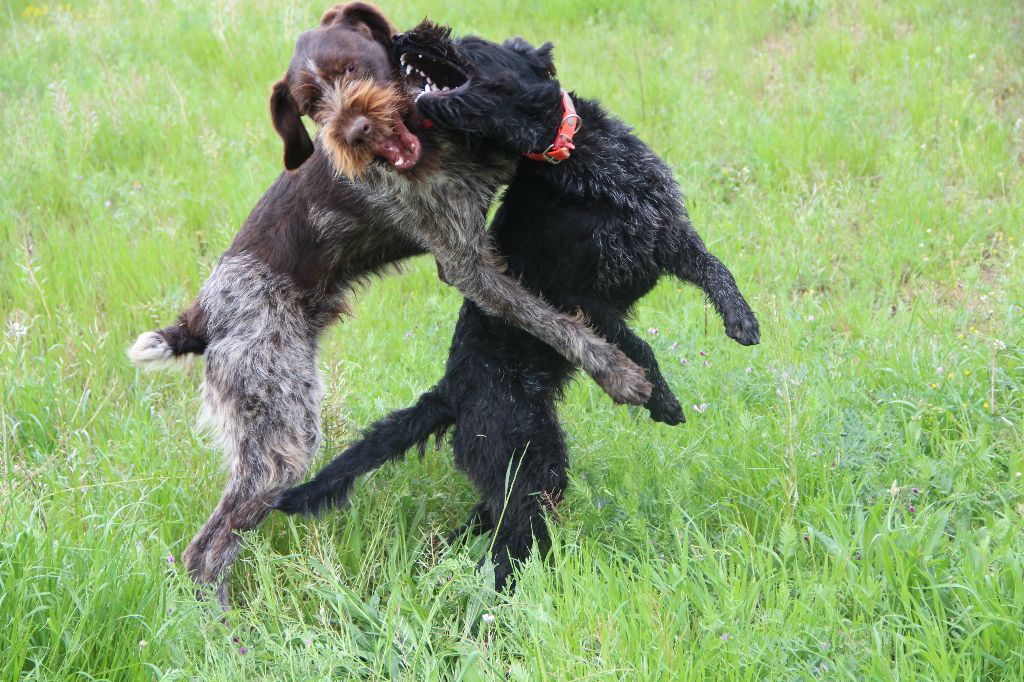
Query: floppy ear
288, 123
363, 17
541, 59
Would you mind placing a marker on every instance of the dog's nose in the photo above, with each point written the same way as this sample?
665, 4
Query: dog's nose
359, 131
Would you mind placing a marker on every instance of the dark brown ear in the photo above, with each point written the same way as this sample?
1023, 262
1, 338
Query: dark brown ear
361, 16
284, 112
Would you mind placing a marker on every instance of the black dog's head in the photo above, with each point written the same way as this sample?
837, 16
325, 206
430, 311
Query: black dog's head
503, 96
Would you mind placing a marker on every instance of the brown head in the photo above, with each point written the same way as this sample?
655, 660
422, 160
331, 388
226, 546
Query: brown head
342, 76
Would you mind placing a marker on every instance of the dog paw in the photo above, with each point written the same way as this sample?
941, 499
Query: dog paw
292, 501
312, 498
626, 383
664, 408
742, 326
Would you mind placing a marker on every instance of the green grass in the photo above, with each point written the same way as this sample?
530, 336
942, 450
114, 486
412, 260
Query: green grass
858, 165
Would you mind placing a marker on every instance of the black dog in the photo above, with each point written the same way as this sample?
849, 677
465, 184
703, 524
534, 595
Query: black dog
593, 234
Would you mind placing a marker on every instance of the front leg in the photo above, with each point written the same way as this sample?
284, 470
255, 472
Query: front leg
692, 262
663, 404
474, 270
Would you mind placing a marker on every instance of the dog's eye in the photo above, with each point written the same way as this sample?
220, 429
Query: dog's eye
350, 68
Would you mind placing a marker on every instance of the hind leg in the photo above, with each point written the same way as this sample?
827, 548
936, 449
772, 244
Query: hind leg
519, 513
264, 400
479, 522
519, 464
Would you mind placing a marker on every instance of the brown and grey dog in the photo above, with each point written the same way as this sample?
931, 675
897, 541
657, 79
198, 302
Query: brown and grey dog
314, 235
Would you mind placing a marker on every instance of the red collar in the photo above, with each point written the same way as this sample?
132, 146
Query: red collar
559, 150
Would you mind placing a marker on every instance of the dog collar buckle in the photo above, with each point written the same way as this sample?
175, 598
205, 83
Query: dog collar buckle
560, 150
551, 155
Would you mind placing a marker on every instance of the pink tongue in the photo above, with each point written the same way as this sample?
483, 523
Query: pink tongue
401, 149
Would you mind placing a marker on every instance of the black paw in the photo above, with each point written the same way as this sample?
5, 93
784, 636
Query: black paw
293, 501
664, 408
742, 326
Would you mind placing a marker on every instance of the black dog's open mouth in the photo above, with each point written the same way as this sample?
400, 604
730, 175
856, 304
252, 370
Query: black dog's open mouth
429, 61
430, 75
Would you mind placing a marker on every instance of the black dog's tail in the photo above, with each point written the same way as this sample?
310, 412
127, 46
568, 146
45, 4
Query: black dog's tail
165, 347
388, 439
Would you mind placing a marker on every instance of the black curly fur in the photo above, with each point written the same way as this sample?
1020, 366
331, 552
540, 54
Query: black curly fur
593, 234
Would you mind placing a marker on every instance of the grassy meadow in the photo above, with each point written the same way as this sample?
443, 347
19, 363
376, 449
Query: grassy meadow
845, 501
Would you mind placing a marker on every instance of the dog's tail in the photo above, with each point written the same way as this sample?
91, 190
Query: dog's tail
166, 347
388, 439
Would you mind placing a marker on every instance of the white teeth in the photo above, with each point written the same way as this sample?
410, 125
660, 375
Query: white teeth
402, 59
445, 89
429, 82
408, 71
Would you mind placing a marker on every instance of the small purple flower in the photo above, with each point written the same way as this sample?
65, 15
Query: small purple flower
408, 334
703, 353
683, 361
912, 509
707, 364
700, 408
243, 650
170, 559
675, 344
235, 640
653, 331
725, 637
915, 490
749, 370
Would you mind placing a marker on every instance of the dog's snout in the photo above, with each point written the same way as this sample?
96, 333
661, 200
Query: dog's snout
359, 131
